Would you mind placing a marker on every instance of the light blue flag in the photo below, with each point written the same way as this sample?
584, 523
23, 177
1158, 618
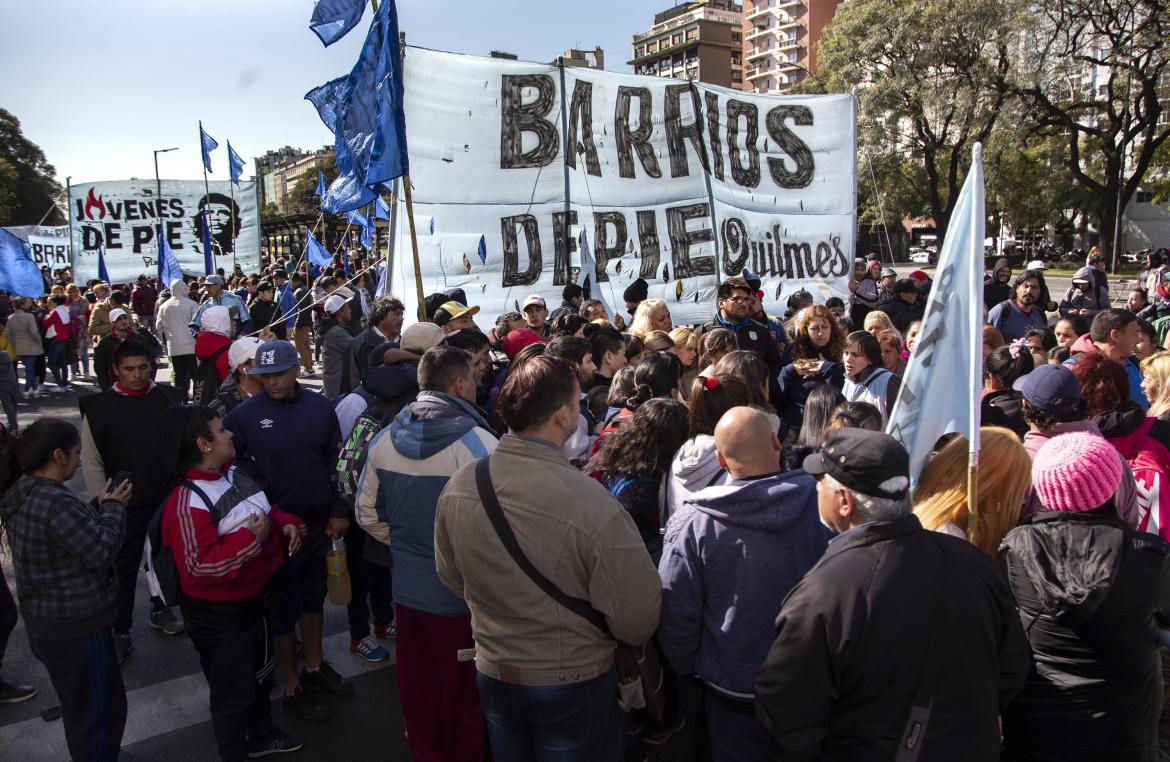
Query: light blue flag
168, 263
370, 126
941, 387
320, 184
315, 252
380, 291
381, 209
103, 273
327, 99
19, 274
235, 165
207, 144
481, 250
357, 218
205, 239
333, 19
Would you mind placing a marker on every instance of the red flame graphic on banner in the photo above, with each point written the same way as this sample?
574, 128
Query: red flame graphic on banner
92, 203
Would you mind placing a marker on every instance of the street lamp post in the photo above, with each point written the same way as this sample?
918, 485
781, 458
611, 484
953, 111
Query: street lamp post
157, 181
158, 202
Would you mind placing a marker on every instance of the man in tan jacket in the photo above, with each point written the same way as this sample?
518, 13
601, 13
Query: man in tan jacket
531, 653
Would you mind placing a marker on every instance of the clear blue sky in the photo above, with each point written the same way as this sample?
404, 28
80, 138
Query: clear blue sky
100, 85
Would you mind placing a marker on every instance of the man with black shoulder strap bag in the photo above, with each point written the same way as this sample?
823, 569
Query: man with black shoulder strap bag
900, 644
555, 576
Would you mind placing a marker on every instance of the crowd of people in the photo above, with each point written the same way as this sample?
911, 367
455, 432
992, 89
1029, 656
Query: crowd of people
589, 535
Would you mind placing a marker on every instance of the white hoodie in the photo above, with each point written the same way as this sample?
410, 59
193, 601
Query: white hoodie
694, 468
174, 318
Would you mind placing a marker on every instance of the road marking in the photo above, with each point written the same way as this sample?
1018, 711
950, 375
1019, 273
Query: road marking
161, 708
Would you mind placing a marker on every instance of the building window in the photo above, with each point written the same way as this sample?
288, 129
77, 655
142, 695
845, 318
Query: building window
693, 33
735, 58
676, 39
639, 51
736, 36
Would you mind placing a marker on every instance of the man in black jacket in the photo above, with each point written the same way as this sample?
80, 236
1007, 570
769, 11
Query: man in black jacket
906, 306
265, 312
386, 316
893, 618
734, 300
120, 434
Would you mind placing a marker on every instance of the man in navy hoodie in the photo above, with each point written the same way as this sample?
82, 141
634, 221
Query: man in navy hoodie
292, 435
716, 615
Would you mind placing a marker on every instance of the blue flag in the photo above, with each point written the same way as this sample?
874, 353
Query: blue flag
320, 184
168, 263
381, 210
370, 126
207, 145
345, 260
19, 274
482, 250
103, 273
357, 218
333, 19
315, 252
205, 238
327, 100
235, 164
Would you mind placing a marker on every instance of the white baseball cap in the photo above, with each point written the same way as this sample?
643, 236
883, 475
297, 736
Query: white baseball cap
1036, 264
334, 303
242, 350
533, 299
116, 313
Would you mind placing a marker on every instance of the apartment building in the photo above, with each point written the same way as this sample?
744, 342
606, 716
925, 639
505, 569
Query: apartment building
779, 41
700, 40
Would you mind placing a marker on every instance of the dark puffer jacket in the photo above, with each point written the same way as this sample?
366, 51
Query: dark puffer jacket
1003, 408
1091, 593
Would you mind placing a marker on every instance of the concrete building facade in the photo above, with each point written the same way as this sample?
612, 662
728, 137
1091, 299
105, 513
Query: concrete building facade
700, 40
780, 39
279, 170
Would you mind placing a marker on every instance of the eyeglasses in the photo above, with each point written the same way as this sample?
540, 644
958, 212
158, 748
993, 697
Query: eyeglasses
740, 299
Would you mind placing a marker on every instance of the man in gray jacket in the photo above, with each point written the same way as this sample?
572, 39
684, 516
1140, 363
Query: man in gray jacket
546, 675
173, 326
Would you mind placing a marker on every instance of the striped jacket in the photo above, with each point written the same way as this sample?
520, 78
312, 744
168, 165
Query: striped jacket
224, 561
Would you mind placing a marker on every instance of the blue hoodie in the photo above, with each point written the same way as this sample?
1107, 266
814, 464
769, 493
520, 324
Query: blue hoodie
408, 466
730, 556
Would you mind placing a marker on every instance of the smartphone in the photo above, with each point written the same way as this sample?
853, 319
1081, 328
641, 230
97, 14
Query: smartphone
121, 476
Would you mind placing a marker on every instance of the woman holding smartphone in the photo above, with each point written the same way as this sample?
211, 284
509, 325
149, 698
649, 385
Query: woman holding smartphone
227, 541
817, 343
63, 552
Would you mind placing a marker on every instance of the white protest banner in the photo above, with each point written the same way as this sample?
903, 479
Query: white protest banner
122, 216
48, 245
680, 183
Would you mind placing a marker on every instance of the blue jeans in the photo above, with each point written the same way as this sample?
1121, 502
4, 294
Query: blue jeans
30, 371
579, 722
735, 737
57, 362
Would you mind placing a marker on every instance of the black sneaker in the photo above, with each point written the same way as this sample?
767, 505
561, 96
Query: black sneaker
327, 680
277, 742
123, 646
14, 694
307, 706
165, 620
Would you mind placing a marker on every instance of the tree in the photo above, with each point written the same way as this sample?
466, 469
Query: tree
28, 185
1092, 72
269, 210
932, 77
302, 198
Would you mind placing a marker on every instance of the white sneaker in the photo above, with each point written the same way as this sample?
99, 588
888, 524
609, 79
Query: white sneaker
62, 388
46, 389
35, 393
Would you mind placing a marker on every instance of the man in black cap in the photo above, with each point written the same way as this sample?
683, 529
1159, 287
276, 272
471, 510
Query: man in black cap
906, 306
899, 639
635, 293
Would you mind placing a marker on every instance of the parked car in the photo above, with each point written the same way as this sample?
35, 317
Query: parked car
920, 255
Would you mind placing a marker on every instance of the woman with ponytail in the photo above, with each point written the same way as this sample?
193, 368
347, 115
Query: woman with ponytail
656, 376
63, 553
227, 541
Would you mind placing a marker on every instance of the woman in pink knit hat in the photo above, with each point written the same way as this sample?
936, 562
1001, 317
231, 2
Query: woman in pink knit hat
1092, 594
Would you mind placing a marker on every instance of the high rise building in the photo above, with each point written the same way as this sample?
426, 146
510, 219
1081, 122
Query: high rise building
700, 40
779, 41
278, 171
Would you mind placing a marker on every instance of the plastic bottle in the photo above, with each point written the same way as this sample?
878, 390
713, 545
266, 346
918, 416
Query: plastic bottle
337, 578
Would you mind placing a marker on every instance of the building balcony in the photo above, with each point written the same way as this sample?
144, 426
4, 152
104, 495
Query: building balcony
787, 25
758, 31
789, 43
760, 11
754, 74
758, 55
782, 63
791, 4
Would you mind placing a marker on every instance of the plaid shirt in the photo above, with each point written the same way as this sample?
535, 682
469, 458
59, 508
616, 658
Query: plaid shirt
63, 553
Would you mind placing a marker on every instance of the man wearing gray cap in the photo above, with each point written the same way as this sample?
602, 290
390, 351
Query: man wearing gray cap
218, 297
899, 641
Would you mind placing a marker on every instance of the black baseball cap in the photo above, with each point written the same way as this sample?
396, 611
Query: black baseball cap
870, 462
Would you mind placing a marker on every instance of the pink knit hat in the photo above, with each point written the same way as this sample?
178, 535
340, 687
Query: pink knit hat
1076, 472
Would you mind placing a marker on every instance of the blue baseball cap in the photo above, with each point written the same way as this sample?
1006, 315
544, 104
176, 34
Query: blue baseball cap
1050, 388
274, 356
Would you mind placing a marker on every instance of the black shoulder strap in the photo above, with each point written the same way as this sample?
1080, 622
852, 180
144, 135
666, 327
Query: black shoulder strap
487, 495
215, 355
917, 719
212, 508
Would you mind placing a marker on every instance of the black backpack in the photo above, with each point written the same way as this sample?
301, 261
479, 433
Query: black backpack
162, 560
207, 378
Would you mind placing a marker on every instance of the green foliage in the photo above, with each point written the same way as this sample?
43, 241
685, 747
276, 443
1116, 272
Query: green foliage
302, 197
28, 185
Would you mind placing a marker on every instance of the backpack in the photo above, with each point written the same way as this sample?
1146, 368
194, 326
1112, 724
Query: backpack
162, 560
1148, 457
207, 378
354, 451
